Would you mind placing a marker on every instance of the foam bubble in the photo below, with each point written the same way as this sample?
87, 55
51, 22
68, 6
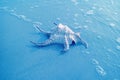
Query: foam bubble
78, 27
100, 9
112, 24
76, 23
118, 40
90, 12
118, 47
85, 26
87, 52
109, 50
99, 37
94, 61
58, 19
115, 13
86, 0
93, 7
76, 14
75, 2
100, 70
35, 6
88, 21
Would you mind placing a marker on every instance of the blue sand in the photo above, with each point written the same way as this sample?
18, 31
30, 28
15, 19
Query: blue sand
97, 20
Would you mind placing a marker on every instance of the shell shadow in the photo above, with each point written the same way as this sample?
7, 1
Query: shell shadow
56, 47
